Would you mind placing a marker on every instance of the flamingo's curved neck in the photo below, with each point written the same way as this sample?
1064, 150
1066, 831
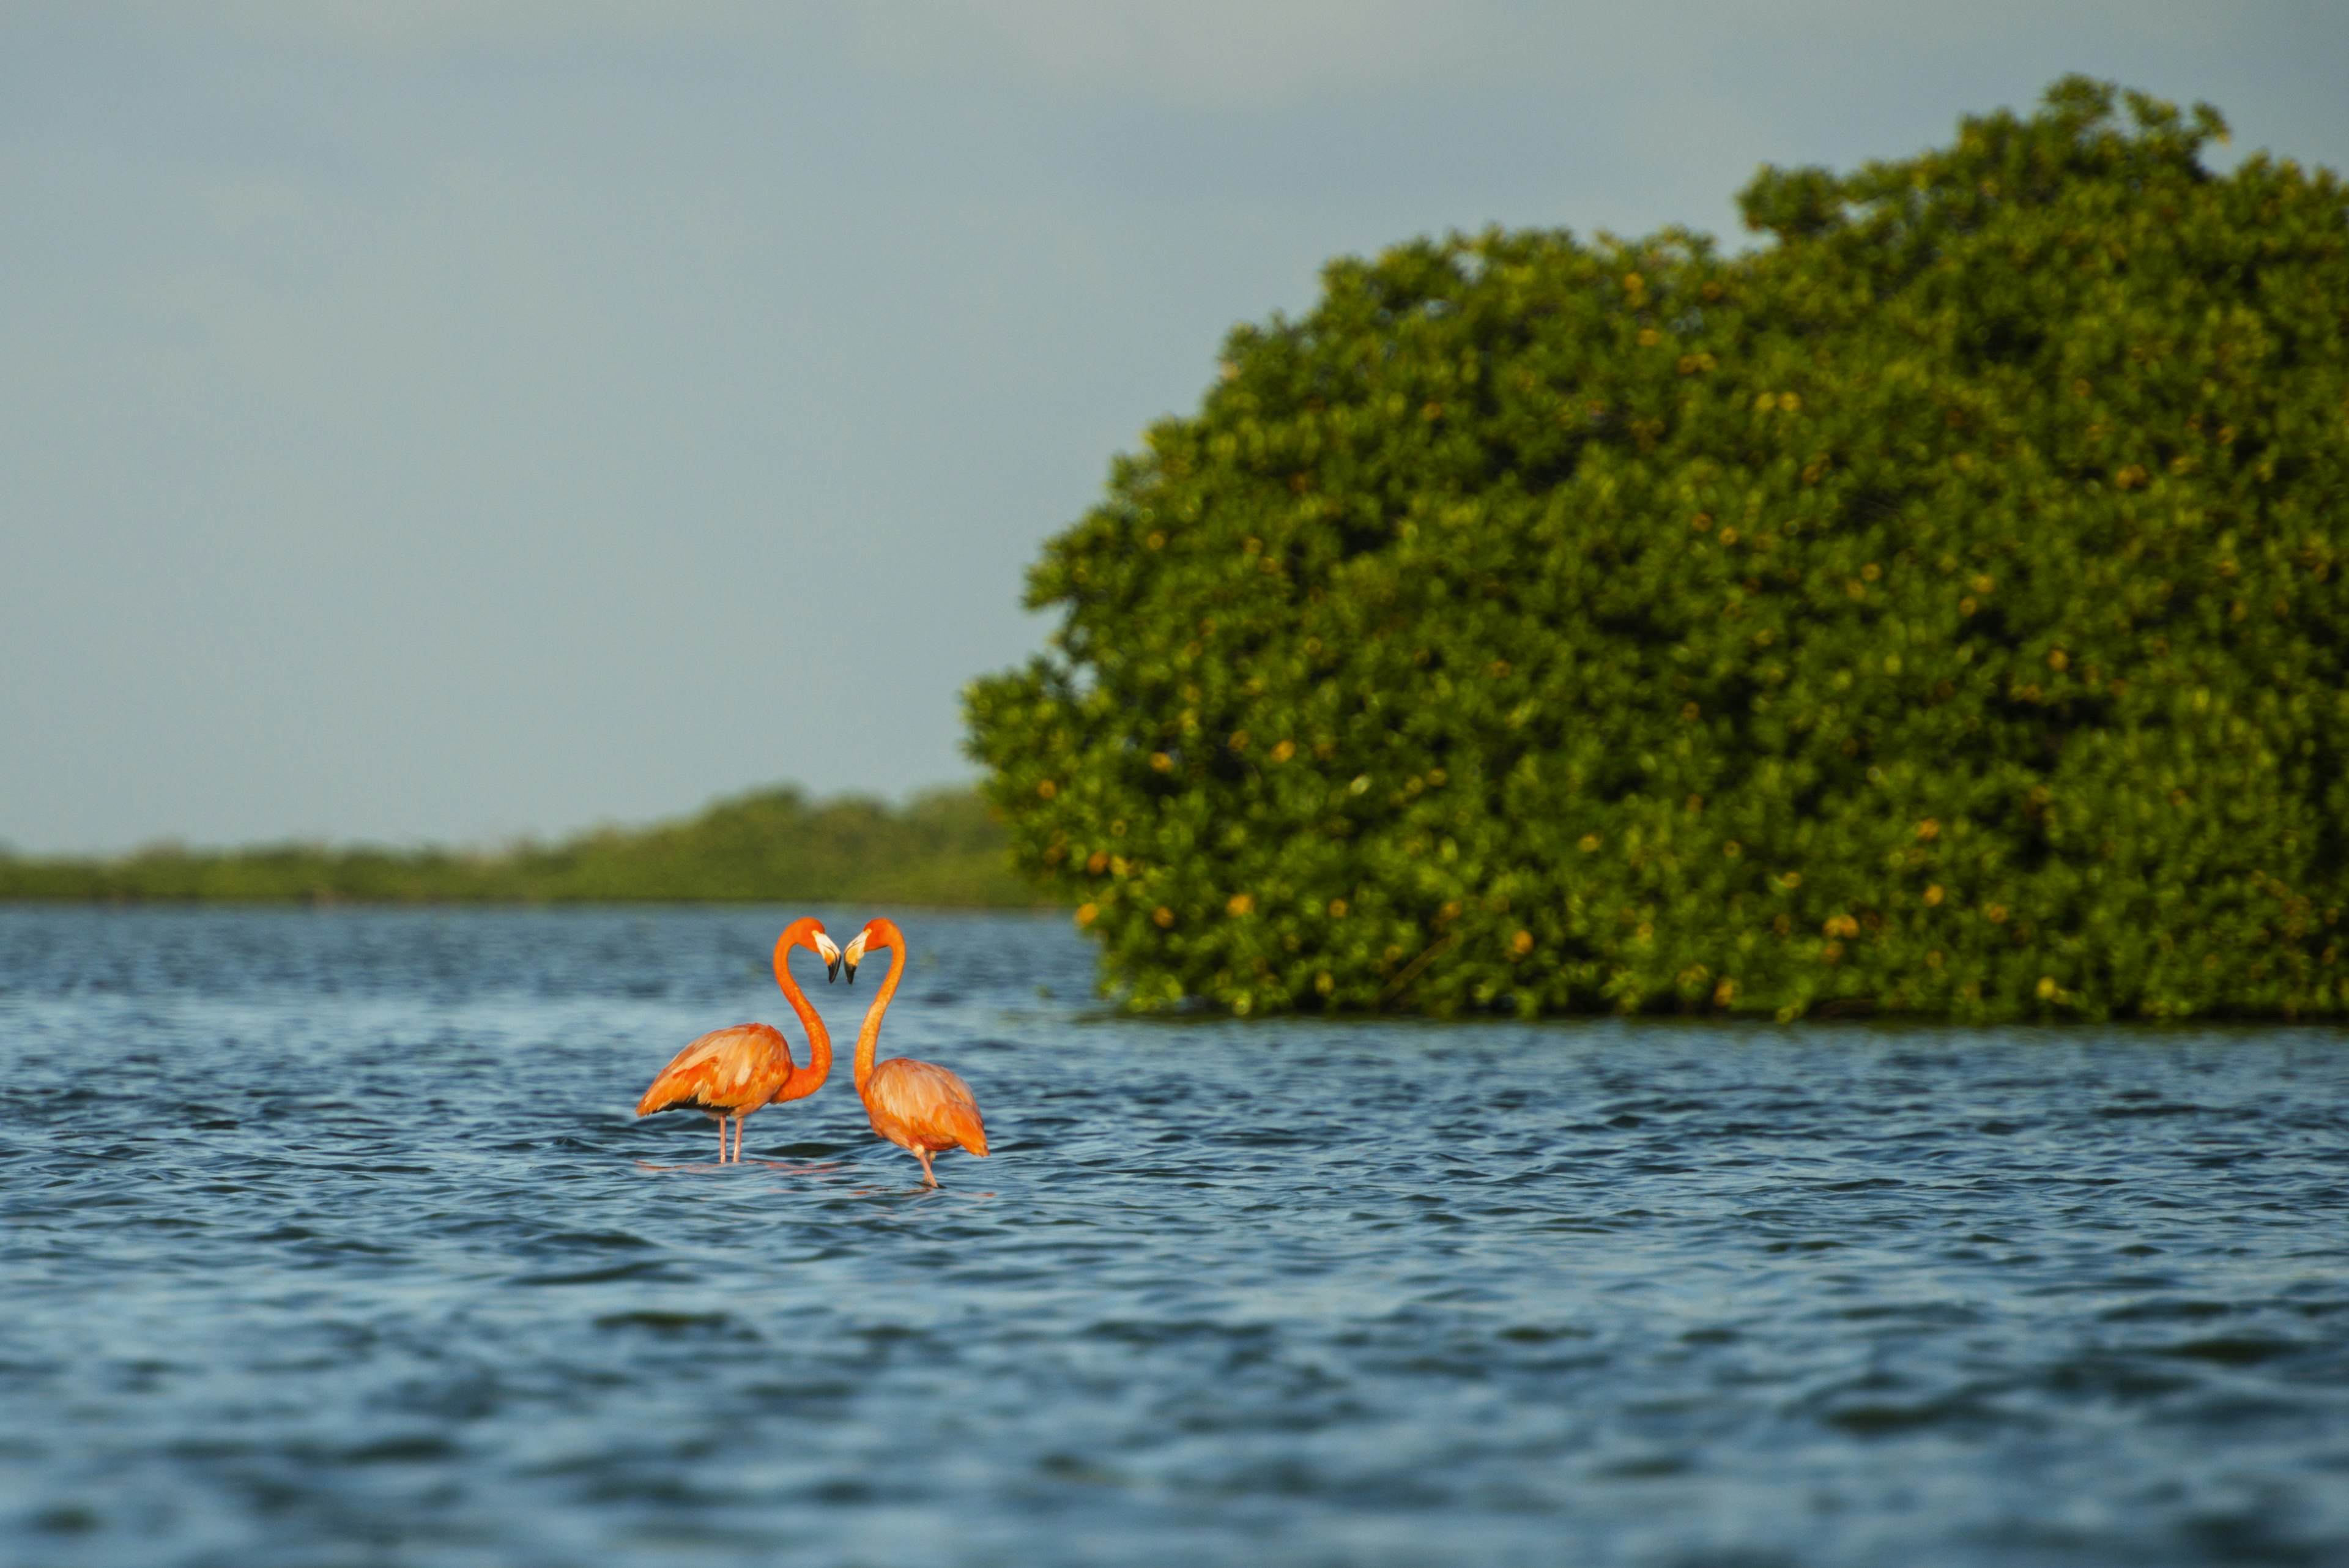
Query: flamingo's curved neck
868, 1039
804, 1081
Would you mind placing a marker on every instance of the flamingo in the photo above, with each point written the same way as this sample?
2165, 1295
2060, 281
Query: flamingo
918, 1107
733, 1071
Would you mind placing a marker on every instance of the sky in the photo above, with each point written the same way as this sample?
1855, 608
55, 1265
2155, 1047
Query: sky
451, 420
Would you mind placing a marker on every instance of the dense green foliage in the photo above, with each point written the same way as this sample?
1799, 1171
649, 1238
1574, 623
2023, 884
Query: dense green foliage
1939, 608
769, 846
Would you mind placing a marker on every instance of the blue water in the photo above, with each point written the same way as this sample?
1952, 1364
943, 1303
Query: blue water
328, 1238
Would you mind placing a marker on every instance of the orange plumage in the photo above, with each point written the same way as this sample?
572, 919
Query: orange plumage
918, 1106
733, 1071
728, 1071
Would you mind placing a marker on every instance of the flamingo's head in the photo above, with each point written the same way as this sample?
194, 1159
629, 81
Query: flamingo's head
808, 932
876, 934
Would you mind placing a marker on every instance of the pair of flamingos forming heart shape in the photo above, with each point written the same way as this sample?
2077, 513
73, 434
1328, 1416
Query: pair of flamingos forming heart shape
921, 1109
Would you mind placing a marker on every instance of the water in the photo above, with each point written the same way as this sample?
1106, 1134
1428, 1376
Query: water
328, 1238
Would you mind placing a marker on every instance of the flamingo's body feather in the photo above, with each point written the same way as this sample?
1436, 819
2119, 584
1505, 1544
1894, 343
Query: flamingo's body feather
727, 1072
919, 1105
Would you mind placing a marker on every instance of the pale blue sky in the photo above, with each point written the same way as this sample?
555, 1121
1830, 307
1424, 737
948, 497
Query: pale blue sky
451, 420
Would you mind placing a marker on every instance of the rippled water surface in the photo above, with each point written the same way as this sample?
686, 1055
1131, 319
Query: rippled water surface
328, 1239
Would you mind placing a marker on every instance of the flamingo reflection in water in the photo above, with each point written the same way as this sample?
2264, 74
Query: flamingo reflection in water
730, 1073
918, 1105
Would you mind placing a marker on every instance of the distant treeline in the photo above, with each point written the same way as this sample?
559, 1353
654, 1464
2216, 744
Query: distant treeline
770, 846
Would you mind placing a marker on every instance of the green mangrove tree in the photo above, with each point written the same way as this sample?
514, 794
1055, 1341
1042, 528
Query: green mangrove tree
1937, 608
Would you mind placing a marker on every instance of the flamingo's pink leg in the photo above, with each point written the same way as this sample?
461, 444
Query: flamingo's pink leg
929, 1177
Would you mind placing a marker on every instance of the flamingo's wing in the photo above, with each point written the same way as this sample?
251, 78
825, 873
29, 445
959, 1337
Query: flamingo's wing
926, 1101
722, 1070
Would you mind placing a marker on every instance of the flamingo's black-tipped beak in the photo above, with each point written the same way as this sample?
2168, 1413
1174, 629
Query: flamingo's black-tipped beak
831, 970
852, 974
